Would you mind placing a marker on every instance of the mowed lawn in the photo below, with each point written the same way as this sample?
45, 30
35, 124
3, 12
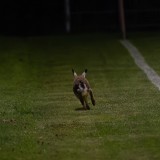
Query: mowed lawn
38, 111
149, 46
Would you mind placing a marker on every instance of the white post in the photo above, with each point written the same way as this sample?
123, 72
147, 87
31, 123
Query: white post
68, 16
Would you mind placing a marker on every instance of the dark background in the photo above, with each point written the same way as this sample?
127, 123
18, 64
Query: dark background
39, 17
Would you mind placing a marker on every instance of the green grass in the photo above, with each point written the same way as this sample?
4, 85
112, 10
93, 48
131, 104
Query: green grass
148, 44
38, 117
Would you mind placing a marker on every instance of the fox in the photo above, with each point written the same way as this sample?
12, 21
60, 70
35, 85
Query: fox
82, 89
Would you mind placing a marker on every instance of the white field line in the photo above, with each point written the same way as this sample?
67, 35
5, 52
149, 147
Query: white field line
139, 60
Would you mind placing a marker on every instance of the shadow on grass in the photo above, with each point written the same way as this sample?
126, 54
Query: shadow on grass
80, 109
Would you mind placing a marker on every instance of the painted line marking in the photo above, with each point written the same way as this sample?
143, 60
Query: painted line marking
141, 63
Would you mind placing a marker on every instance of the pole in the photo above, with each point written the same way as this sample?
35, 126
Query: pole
68, 17
122, 18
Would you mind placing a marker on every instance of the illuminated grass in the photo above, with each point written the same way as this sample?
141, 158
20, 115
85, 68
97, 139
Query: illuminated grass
149, 46
38, 117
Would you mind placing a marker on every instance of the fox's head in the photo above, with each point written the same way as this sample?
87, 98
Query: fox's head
80, 83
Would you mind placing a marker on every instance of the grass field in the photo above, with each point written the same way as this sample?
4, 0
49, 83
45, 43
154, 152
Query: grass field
150, 49
38, 116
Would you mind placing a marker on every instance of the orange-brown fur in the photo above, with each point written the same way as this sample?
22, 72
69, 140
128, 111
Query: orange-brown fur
82, 89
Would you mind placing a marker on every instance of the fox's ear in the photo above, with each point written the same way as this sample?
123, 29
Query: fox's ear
84, 73
74, 73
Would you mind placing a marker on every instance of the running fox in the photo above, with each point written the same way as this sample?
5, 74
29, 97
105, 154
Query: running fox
81, 89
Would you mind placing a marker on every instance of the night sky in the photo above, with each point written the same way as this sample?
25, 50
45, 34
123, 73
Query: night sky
32, 17
48, 17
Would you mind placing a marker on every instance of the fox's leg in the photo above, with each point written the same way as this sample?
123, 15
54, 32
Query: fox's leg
92, 97
87, 106
86, 102
82, 101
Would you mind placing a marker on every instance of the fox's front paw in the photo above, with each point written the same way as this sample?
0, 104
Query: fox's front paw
93, 102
